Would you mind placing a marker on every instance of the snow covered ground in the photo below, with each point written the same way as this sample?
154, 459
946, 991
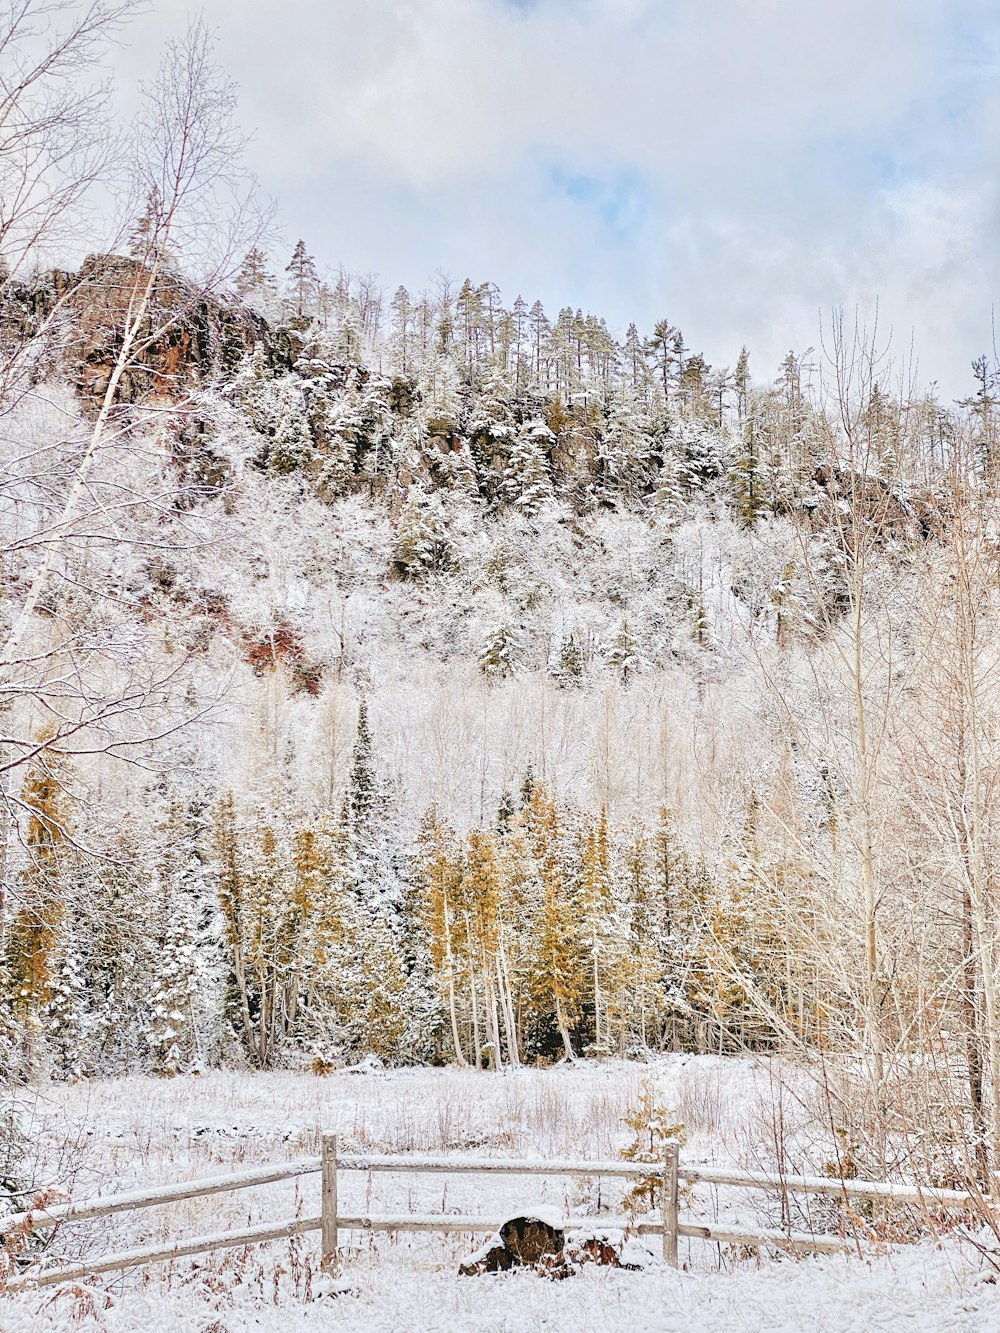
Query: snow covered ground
116, 1135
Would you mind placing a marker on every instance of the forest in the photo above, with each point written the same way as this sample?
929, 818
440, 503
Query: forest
433, 677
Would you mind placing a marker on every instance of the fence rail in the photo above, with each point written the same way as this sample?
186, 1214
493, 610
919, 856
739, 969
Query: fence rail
330, 1223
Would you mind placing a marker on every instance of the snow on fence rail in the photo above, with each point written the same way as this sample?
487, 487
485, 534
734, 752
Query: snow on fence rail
330, 1222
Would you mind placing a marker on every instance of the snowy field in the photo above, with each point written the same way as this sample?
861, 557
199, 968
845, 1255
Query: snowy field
117, 1135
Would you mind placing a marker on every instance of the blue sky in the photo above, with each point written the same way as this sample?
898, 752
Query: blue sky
738, 166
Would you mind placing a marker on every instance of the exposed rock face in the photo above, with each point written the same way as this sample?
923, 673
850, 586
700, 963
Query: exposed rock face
191, 336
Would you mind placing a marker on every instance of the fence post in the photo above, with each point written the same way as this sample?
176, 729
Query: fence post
669, 1203
328, 1199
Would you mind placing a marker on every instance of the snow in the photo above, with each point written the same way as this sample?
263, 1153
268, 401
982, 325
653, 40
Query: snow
141, 1132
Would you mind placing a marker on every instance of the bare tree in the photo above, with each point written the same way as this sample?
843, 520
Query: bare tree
198, 206
55, 140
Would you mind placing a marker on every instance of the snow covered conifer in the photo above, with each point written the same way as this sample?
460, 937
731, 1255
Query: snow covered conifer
569, 667
170, 1029
376, 858
654, 1127
365, 798
527, 483
64, 1017
622, 460
622, 655
303, 281
503, 651
422, 545
253, 279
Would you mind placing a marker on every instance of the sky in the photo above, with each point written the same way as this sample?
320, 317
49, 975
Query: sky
739, 167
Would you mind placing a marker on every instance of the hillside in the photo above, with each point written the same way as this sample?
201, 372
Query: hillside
487, 689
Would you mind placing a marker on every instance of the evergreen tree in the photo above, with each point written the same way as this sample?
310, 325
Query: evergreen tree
621, 653
170, 1030
422, 545
365, 819
253, 278
503, 651
64, 1017
569, 667
291, 450
622, 459
527, 483
303, 280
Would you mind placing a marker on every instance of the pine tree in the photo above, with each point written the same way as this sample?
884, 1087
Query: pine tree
748, 474
402, 317
366, 823
526, 482
598, 924
365, 799
170, 1029
622, 459
292, 449
621, 653
145, 239
654, 1128
64, 1016
303, 280
253, 277
503, 652
422, 545
702, 455
569, 667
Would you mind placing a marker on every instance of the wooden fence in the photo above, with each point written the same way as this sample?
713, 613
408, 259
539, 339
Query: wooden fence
330, 1222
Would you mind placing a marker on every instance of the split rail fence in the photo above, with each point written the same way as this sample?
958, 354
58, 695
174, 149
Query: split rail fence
330, 1222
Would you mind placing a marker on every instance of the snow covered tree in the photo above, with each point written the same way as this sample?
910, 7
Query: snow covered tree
653, 1126
64, 1018
622, 461
503, 651
303, 281
422, 545
440, 871
39, 906
527, 483
621, 653
569, 666
170, 1031
558, 968
701, 454
254, 279
291, 449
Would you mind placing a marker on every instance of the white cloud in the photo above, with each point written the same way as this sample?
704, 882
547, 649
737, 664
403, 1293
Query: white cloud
782, 155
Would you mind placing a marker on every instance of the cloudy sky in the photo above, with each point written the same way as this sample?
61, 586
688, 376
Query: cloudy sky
738, 166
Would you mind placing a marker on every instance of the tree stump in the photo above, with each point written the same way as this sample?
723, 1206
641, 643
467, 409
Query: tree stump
524, 1241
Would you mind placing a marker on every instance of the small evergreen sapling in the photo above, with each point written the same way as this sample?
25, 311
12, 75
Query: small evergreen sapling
653, 1129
